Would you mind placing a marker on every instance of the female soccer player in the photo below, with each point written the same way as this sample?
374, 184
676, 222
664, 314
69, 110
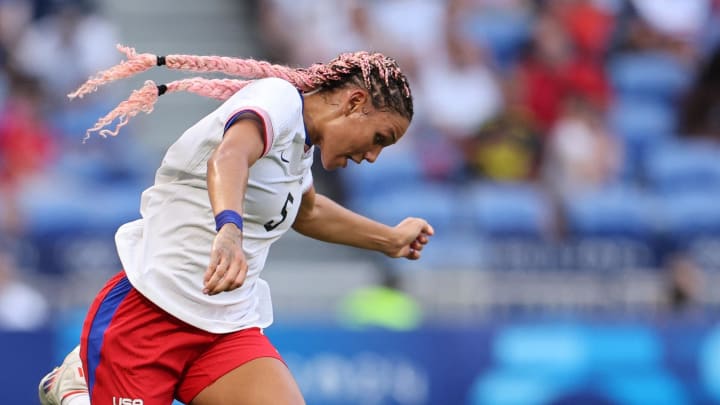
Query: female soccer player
184, 319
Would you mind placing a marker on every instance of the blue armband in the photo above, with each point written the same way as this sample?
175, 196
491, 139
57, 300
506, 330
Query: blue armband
228, 216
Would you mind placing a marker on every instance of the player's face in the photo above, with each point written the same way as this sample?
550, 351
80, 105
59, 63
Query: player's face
360, 135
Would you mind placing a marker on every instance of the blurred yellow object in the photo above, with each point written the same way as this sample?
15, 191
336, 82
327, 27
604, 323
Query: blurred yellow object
380, 306
504, 161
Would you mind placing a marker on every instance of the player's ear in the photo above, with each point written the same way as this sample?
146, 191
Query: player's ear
356, 100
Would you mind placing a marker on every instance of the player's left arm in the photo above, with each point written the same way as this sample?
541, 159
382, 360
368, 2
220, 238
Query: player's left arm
321, 218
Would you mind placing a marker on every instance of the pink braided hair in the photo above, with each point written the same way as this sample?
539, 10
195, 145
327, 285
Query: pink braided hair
144, 99
138, 63
333, 74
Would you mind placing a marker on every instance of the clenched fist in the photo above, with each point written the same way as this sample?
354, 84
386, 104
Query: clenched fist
411, 235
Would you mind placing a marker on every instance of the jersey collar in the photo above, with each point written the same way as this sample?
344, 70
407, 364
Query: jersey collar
308, 142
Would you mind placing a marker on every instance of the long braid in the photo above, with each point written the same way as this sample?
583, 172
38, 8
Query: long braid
138, 63
380, 75
144, 99
135, 63
219, 89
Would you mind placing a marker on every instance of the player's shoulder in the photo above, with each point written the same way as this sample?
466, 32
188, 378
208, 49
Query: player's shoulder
272, 94
276, 85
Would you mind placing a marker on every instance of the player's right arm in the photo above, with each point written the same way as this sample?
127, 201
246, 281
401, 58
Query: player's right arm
321, 218
228, 170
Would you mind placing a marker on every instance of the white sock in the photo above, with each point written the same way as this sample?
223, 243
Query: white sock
80, 399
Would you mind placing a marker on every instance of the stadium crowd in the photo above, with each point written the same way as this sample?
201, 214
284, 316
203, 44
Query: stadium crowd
554, 141
539, 123
551, 121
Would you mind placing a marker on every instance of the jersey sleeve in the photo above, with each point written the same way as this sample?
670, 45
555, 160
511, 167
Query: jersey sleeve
278, 104
307, 180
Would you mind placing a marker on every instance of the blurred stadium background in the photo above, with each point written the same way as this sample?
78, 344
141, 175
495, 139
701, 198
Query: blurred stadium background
566, 152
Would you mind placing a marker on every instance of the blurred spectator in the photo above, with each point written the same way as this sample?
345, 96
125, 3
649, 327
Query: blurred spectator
505, 90
273, 40
26, 144
62, 49
552, 69
26, 140
456, 88
65, 47
506, 148
15, 16
709, 38
309, 31
304, 31
700, 112
679, 20
656, 26
684, 282
499, 27
581, 153
539, 74
22, 308
413, 29
589, 25
563, 63
590, 28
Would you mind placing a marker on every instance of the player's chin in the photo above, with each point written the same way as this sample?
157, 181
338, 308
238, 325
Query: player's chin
338, 163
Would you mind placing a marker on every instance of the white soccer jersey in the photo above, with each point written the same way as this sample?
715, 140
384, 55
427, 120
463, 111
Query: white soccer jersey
166, 253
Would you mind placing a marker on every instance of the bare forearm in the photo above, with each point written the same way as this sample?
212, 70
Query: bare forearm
229, 166
330, 222
227, 181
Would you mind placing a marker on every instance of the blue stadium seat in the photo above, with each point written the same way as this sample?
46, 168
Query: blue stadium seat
705, 251
620, 211
53, 205
508, 210
503, 33
648, 74
454, 243
73, 226
691, 214
640, 124
397, 167
64, 206
437, 203
642, 120
677, 166
454, 250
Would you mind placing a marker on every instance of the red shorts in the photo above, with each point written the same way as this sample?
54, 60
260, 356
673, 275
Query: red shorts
133, 350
